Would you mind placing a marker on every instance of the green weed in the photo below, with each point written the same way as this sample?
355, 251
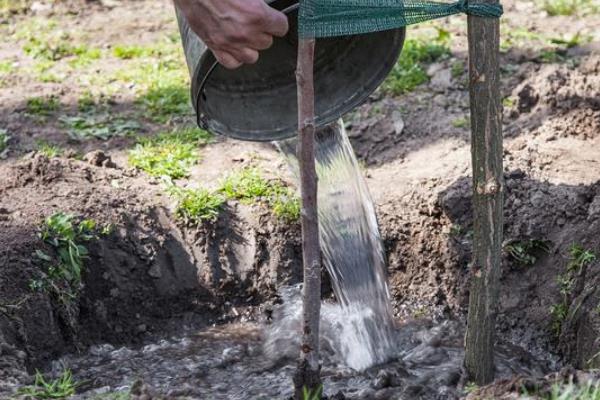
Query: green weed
197, 205
42, 106
8, 7
60, 388
248, 186
63, 276
4, 138
568, 7
409, 72
6, 68
286, 204
579, 258
461, 122
169, 154
471, 387
587, 391
457, 68
509, 102
514, 36
312, 394
525, 252
126, 52
161, 77
163, 101
48, 149
89, 125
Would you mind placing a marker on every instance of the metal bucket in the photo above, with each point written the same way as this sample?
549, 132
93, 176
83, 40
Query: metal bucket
258, 102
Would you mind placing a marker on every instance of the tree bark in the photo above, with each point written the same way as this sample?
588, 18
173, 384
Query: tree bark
486, 148
307, 375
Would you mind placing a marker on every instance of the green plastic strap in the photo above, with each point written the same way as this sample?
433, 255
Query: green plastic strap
326, 18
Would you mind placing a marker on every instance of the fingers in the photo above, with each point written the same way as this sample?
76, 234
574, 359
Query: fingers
226, 59
262, 41
245, 55
276, 22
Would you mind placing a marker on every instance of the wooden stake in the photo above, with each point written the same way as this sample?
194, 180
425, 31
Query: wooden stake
486, 148
307, 375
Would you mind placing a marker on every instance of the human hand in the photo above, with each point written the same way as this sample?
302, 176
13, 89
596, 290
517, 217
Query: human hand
234, 30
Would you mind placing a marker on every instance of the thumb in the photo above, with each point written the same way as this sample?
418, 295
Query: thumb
276, 22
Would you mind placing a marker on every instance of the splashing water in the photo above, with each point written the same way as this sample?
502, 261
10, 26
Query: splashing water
352, 250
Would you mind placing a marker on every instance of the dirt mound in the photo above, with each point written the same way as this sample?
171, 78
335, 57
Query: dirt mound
145, 275
559, 101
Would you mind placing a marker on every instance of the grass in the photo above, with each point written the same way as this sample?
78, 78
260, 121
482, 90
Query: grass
312, 394
160, 76
48, 149
6, 68
197, 205
42, 106
568, 7
104, 126
8, 7
586, 391
525, 252
409, 72
66, 236
169, 154
4, 138
60, 388
248, 186
461, 122
579, 258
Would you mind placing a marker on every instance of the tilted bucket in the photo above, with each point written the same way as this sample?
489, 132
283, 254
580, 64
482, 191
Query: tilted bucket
258, 102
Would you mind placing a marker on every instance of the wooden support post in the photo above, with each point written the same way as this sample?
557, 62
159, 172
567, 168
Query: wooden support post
486, 148
307, 376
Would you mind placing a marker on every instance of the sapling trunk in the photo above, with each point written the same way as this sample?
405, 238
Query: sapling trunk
486, 148
307, 376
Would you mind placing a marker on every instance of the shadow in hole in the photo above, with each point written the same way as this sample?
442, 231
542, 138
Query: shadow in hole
562, 215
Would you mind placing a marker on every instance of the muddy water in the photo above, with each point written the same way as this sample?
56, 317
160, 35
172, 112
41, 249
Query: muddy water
352, 249
242, 362
365, 354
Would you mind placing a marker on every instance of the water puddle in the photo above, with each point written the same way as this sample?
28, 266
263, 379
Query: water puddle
365, 353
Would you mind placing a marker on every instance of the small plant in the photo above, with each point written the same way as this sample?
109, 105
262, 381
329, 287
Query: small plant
579, 258
248, 186
508, 102
409, 72
88, 125
286, 205
461, 122
471, 387
4, 138
48, 149
567, 7
42, 106
62, 277
524, 252
197, 205
169, 154
125, 52
162, 102
559, 313
457, 68
60, 388
587, 391
312, 394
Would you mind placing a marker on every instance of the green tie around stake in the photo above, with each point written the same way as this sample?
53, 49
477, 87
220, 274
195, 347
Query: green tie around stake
327, 18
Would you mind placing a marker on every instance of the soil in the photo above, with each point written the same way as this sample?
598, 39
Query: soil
153, 277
